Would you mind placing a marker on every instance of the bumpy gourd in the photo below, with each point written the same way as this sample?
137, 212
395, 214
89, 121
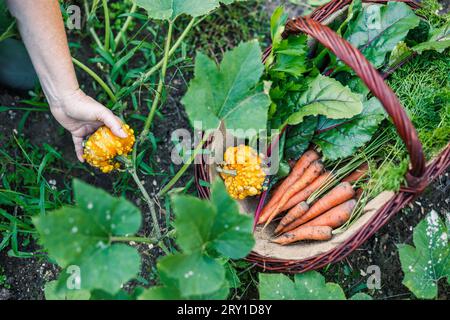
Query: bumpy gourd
242, 172
103, 147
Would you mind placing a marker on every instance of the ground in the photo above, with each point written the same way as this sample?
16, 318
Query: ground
24, 278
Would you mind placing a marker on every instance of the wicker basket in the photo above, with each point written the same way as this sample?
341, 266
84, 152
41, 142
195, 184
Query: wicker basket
304, 257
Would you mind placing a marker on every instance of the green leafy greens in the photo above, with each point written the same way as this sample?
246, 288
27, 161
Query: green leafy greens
378, 28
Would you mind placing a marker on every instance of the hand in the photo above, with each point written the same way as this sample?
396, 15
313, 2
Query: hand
82, 115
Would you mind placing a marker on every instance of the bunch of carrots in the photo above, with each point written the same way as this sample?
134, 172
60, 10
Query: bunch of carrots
316, 220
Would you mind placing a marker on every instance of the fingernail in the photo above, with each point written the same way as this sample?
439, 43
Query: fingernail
123, 134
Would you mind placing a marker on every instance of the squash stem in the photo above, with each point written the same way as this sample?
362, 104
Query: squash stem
107, 25
125, 25
135, 239
183, 169
96, 78
172, 50
162, 78
129, 164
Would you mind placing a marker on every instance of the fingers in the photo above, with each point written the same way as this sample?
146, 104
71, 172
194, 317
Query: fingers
113, 123
78, 142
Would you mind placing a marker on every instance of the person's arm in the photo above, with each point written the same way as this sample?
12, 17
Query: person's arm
42, 29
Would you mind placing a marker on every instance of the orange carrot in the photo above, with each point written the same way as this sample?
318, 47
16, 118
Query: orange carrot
335, 217
359, 193
358, 174
311, 174
335, 197
296, 212
299, 169
305, 233
305, 193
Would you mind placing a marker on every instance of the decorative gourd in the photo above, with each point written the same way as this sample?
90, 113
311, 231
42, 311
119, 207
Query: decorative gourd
242, 172
103, 147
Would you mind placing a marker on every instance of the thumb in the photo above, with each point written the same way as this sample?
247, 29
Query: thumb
113, 123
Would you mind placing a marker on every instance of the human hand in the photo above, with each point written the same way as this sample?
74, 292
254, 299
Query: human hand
81, 116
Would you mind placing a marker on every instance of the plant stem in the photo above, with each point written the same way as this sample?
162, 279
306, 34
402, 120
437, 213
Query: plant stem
95, 36
107, 24
131, 168
149, 201
183, 169
162, 78
125, 25
96, 78
135, 239
94, 7
172, 50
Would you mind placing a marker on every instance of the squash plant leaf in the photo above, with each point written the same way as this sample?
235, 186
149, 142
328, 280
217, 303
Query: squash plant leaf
378, 29
429, 261
193, 273
171, 9
307, 286
215, 224
229, 92
328, 97
203, 229
80, 239
52, 293
439, 40
341, 138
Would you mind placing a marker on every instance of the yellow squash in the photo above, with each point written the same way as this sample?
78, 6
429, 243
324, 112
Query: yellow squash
103, 147
242, 172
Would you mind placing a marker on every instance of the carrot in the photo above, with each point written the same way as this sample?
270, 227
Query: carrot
296, 212
358, 174
305, 233
338, 195
335, 217
309, 190
311, 174
359, 193
299, 169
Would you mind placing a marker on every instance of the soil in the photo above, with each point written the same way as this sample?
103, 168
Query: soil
25, 278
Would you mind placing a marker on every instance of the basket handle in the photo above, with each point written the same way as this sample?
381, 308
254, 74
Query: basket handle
373, 80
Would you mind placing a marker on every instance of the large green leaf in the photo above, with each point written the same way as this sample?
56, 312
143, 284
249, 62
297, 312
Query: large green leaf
204, 228
342, 138
299, 137
52, 293
193, 273
307, 286
429, 261
327, 97
378, 29
81, 237
171, 9
231, 234
216, 225
439, 40
228, 92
